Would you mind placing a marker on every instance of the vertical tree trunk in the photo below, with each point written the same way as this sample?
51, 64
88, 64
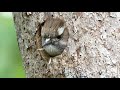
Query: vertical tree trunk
93, 47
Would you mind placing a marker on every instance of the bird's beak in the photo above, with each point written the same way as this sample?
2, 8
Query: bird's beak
47, 41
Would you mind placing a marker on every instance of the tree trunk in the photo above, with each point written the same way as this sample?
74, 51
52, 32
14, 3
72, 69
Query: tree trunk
93, 49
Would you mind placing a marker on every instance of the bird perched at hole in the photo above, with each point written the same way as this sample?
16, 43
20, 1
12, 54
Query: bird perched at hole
54, 36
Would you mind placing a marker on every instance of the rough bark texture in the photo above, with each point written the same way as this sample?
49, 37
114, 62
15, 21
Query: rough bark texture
93, 47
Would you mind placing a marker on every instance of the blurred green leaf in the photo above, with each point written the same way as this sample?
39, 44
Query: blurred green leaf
10, 58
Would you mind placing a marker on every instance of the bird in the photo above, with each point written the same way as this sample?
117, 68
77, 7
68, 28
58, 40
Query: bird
54, 34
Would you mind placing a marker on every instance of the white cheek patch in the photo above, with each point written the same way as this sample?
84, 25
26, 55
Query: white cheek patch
48, 39
60, 30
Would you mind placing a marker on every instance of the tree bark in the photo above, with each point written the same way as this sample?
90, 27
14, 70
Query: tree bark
93, 49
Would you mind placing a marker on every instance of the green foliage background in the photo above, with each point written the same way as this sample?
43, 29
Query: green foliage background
10, 57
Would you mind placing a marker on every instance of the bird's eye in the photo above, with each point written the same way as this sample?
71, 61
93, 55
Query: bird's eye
59, 37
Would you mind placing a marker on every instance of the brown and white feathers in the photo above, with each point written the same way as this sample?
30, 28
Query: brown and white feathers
54, 35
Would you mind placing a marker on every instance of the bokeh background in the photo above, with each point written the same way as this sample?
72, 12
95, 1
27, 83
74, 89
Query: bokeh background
10, 58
